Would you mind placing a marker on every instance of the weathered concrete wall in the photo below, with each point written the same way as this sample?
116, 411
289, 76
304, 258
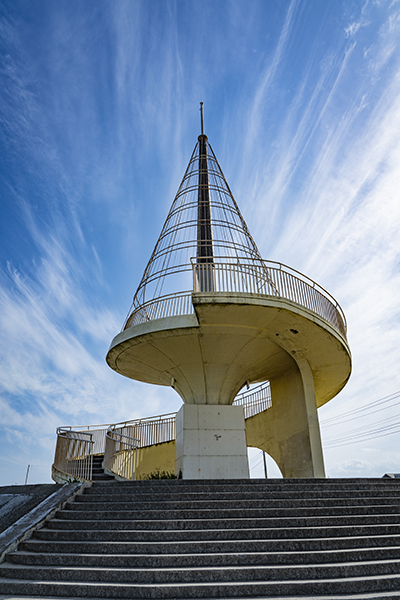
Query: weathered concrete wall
24, 508
289, 430
17, 500
211, 442
152, 458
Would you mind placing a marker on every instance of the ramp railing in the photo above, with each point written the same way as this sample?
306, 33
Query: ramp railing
120, 442
120, 454
74, 453
254, 400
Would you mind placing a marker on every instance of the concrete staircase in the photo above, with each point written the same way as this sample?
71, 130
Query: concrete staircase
98, 473
216, 539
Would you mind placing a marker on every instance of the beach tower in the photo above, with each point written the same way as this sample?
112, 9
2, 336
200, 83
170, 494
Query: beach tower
210, 316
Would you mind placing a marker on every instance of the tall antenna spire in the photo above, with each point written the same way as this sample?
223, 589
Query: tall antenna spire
202, 118
205, 250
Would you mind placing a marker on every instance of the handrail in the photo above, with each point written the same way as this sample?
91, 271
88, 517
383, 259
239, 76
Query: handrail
74, 454
165, 306
121, 435
120, 457
70, 434
105, 426
245, 275
255, 400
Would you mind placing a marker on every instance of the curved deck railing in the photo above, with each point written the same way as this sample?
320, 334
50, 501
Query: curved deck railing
120, 441
166, 306
266, 278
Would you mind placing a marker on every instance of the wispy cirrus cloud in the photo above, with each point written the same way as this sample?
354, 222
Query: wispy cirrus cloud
55, 335
324, 199
100, 110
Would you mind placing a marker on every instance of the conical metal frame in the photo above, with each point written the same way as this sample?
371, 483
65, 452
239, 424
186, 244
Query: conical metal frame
205, 224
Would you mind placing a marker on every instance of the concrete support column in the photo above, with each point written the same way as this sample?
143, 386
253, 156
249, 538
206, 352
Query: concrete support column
310, 405
295, 441
211, 442
289, 430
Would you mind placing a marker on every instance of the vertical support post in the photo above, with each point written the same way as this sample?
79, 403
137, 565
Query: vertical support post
205, 252
27, 474
265, 465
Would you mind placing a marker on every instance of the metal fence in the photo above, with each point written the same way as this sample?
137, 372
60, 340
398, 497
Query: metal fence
165, 306
255, 400
74, 453
120, 442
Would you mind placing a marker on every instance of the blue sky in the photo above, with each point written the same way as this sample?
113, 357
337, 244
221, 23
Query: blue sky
99, 116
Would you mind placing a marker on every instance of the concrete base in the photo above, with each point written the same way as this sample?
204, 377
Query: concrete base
211, 442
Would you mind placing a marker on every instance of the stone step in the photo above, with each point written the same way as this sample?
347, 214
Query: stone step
365, 596
272, 525
224, 515
179, 543
307, 497
170, 501
289, 483
281, 533
61, 523
135, 488
212, 559
200, 574
174, 486
362, 496
258, 589
215, 530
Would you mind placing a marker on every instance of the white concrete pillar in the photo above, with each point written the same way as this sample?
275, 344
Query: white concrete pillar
211, 442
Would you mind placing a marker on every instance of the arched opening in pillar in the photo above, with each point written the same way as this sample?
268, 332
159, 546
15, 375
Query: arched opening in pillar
260, 463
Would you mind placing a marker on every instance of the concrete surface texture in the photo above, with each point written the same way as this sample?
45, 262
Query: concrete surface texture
17, 500
211, 442
23, 508
206, 539
235, 338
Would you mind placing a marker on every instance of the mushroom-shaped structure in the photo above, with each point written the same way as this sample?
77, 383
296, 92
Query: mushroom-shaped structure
210, 316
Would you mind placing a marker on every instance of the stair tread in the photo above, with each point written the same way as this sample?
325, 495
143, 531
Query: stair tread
183, 539
300, 566
204, 584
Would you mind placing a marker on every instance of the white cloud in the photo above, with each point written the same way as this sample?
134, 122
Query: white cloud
321, 192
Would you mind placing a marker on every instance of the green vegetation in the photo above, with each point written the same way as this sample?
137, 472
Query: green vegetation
157, 474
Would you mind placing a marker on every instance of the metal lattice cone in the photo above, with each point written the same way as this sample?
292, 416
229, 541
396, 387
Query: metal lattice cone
203, 225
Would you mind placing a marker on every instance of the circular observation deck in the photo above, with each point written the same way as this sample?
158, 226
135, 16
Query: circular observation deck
244, 321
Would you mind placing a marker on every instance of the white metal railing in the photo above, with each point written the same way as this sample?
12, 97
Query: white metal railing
245, 276
120, 454
267, 278
165, 306
98, 433
255, 400
74, 453
153, 430
120, 442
